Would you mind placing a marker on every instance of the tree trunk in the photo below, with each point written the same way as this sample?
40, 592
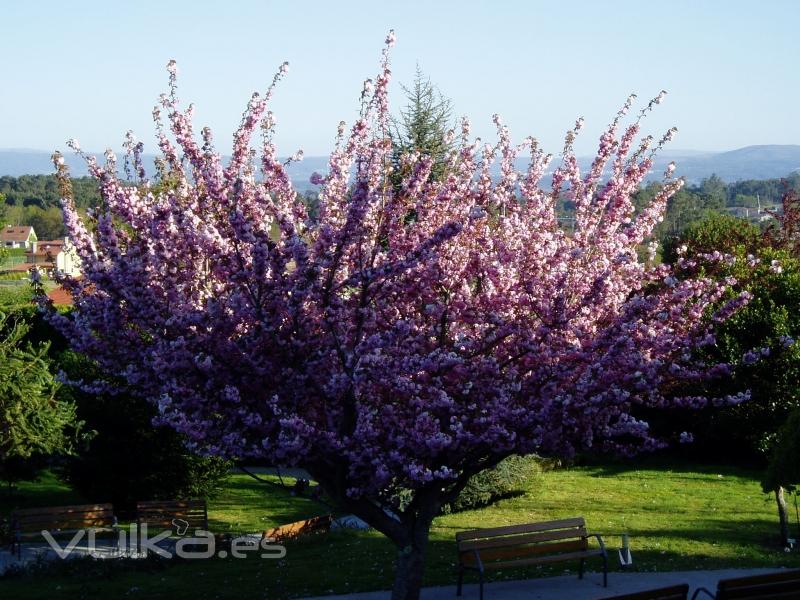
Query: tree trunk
782, 515
410, 565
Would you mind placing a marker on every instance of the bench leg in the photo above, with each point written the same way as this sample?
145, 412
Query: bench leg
460, 580
481, 584
605, 570
580, 568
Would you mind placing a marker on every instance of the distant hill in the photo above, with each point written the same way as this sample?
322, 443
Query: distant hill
16, 162
750, 162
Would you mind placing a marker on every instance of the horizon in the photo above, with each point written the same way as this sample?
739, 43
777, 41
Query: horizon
537, 65
667, 150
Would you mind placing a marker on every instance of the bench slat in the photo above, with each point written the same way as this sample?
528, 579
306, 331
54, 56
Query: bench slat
782, 590
753, 580
64, 515
765, 594
172, 504
517, 529
62, 519
520, 552
541, 559
675, 592
530, 538
164, 512
62, 524
57, 531
82, 516
782, 585
59, 510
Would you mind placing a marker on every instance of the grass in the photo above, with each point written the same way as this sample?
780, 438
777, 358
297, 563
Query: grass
678, 518
12, 257
16, 291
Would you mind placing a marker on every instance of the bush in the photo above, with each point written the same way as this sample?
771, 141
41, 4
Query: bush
124, 458
15, 295
509, 477
128, 459
15, 469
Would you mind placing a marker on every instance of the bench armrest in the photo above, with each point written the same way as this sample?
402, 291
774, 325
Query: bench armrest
599, 541
478, 560
704, 590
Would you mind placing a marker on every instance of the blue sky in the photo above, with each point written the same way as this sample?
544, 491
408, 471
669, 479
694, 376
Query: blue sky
93, 70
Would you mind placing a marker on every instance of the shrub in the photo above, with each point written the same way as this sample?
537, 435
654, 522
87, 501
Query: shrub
128, 459
509, 477
15, 469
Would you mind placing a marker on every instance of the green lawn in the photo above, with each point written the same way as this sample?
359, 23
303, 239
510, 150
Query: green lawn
678, 518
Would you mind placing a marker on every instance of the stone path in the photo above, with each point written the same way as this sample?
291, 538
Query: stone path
569, 587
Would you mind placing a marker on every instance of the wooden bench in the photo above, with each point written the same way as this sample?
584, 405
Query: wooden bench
782, 585
523, 545
181, 516
31, 522
298, 528
673, 592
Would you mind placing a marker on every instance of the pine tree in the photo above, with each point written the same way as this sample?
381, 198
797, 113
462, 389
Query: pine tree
422, 127
33, 420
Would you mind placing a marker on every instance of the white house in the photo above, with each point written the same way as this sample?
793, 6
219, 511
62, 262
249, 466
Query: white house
54, 254
17, 236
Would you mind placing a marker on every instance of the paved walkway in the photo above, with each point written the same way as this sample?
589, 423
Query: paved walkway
33, 552
569, 587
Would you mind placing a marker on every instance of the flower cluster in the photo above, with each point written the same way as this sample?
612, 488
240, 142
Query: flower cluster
407, 334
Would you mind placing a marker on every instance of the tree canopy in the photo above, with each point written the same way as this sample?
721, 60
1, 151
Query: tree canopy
392, 358
34, 419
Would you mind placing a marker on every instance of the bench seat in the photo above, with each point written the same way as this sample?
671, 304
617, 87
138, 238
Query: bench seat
781, 585
31, 522
526, 545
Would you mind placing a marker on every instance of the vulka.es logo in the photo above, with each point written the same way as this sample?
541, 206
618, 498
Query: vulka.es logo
136, 542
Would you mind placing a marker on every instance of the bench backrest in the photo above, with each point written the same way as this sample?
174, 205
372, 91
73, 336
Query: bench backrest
781, 585
81, 516
566, 535
298, 528
674, 592
162, 513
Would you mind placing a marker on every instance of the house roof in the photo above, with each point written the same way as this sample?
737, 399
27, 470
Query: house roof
60, 296
48, 247
15, 233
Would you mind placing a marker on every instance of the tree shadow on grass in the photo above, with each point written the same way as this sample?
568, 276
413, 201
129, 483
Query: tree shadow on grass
614, 467
46, 491
246, 503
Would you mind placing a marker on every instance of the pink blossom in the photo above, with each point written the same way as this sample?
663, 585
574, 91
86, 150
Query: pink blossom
410, 334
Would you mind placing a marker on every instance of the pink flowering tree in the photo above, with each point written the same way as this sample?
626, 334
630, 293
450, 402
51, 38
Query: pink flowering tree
406, 338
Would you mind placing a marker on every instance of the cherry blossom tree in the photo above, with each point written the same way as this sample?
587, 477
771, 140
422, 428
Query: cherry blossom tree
406, 338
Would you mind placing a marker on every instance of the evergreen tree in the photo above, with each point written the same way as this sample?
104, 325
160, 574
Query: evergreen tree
783, 471
422, 127
34, 421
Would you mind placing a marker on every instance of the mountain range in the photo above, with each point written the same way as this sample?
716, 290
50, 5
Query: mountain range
750, 162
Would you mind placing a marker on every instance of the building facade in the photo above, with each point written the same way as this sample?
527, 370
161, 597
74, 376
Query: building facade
17, 236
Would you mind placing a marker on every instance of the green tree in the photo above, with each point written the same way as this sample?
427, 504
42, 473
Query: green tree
47, 223
715, 189
127, 458
687, 206
3, 216
422, 127
35, 420
759, 341
783, 471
